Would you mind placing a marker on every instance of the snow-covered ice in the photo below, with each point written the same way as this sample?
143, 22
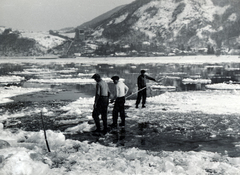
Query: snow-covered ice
209, 102
7, 92
10, 79
223, 86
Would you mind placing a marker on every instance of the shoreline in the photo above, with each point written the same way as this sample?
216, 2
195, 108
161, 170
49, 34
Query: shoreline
200, 59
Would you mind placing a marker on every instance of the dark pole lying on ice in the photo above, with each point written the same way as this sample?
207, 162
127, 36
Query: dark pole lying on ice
45, 135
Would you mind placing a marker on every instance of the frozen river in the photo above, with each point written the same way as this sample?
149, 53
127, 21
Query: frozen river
192, 130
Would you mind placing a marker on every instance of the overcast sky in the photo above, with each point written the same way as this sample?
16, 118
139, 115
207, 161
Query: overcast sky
44, 15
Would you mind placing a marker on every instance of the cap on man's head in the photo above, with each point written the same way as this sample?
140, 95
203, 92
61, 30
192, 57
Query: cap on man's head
115, 78
96, 76
143, 71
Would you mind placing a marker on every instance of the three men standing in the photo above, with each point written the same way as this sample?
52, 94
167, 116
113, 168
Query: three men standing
101, 101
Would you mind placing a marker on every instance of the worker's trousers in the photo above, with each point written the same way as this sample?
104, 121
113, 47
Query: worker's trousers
141, 94
119, 108
101, 109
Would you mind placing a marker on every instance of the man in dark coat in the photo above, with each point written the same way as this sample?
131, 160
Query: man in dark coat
100, 103
142, 88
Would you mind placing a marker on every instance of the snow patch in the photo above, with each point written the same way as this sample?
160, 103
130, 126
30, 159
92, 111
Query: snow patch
67, 80
196, 81
120, 18
11, 79
232, 17
98, 32
44, 39
223, 86
8, 92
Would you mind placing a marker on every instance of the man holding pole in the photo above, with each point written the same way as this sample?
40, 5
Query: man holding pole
142, 88
100, 103
120, 91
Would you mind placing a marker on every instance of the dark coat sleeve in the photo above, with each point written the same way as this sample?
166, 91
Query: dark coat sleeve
150, 78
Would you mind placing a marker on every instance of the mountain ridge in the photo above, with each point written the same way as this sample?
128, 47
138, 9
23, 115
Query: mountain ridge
92, 23
162, 26
197, 23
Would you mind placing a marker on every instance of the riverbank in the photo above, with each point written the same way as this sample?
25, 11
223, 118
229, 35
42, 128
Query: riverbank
199, 59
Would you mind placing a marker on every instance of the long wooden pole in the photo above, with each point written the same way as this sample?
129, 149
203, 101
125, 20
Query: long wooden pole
45, 135
142, 89
135, 92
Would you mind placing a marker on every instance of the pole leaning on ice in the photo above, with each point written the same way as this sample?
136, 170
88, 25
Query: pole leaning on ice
135, 92
45, 135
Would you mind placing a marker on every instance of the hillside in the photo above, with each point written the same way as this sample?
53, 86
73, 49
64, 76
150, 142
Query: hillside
173, 23
15, 43
98, 20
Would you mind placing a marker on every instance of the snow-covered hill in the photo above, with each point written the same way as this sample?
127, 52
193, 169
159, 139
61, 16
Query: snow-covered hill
16, 43
44, 38
194, 23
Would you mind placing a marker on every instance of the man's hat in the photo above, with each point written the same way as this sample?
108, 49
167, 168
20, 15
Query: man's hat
96, 76
115, 78
143, 71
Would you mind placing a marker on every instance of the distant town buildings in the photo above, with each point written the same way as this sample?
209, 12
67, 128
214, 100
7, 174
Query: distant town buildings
84, 44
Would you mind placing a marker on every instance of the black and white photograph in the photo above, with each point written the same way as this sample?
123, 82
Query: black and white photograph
119, 87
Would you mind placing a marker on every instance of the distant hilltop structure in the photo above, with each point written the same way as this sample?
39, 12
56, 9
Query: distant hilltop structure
79, 35
83, 34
